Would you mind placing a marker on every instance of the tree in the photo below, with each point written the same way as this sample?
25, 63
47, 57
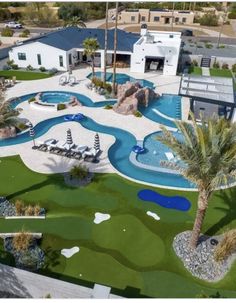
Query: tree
114, 56
40, 14
8, 115
69, 10
75, 21
105, 45
208, 154
209, 19
91, 45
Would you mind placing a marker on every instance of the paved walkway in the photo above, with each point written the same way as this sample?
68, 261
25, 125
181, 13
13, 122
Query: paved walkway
24, 284
206, 71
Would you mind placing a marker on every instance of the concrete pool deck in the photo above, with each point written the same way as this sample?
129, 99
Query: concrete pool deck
49, 163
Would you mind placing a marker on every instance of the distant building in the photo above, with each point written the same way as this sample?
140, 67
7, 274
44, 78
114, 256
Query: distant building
159, 16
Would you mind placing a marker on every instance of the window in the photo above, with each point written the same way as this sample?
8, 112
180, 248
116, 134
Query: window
156, 19
176, 19
22, 56
39, 59
184, 20
143, 18
97, 55
60, 60
171, 36
132, 18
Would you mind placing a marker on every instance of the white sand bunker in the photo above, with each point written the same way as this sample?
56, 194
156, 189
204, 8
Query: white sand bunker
100, 217
68, 253
153, 215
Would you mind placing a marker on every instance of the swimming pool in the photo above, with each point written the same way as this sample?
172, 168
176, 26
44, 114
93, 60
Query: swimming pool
155, 150
118, 153
55, 97
123, 78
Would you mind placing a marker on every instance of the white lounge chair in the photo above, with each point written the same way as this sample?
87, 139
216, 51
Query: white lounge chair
80, 149
170, 156
63, 80
51, 143
72, 81
91, 153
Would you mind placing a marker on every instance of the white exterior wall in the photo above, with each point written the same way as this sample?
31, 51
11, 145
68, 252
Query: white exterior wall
162, 46
49, 56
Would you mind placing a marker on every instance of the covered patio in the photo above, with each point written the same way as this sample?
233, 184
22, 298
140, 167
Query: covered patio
209, 95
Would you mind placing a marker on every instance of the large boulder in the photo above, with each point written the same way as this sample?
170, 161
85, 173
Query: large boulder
131, 95
7, 132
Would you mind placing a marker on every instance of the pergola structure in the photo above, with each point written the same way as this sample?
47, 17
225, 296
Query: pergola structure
210, 90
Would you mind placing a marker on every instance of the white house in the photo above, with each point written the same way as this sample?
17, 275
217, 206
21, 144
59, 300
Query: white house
156, 51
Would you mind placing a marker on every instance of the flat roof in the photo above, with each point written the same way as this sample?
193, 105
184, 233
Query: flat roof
218, 90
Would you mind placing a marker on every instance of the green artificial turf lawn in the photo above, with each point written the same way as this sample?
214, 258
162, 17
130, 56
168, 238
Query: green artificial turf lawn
220, 72
140, 258
195, 70
24, 75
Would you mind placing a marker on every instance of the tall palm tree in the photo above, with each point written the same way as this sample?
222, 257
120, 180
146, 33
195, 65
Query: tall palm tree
105, 44
75, 21
114, 57
91, 45
208, 153
172, 17
8, 115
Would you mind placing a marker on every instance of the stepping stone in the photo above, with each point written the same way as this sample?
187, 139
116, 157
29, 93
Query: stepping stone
153, 215
68, 253
100, 217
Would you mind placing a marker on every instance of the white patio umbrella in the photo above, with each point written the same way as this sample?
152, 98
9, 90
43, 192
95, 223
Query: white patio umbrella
96, 142
69, 139
32, 132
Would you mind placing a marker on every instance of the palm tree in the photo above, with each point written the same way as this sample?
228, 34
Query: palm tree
91, 45
8, 115
115, 48
75, 21
208, 153
105, 45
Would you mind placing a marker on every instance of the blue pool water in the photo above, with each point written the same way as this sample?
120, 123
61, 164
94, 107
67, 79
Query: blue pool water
169, 105
175, 202
55, 97
123, 78
155, 150
118, 153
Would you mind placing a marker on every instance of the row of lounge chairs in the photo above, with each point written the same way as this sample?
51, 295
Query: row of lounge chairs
71, 80
63, 149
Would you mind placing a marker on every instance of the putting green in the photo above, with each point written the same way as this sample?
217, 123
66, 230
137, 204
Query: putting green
147, 249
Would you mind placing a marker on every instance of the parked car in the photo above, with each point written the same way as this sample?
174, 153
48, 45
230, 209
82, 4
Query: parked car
13, 24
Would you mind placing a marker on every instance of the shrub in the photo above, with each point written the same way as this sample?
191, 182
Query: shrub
226, 247
232, 15
21, 126
29, 67
107, 87
194, 63
37, 210
234, 68
209, 20
29, 211
10, 62
225, 66
42, 69
216, 65
7, 32
208, 45
14, 66
22, 241
19, 206
97, 82
138, 114
221, 46
108, 106
25, 33
79, 172
53, 71
6, 67
32, 99
61, 106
